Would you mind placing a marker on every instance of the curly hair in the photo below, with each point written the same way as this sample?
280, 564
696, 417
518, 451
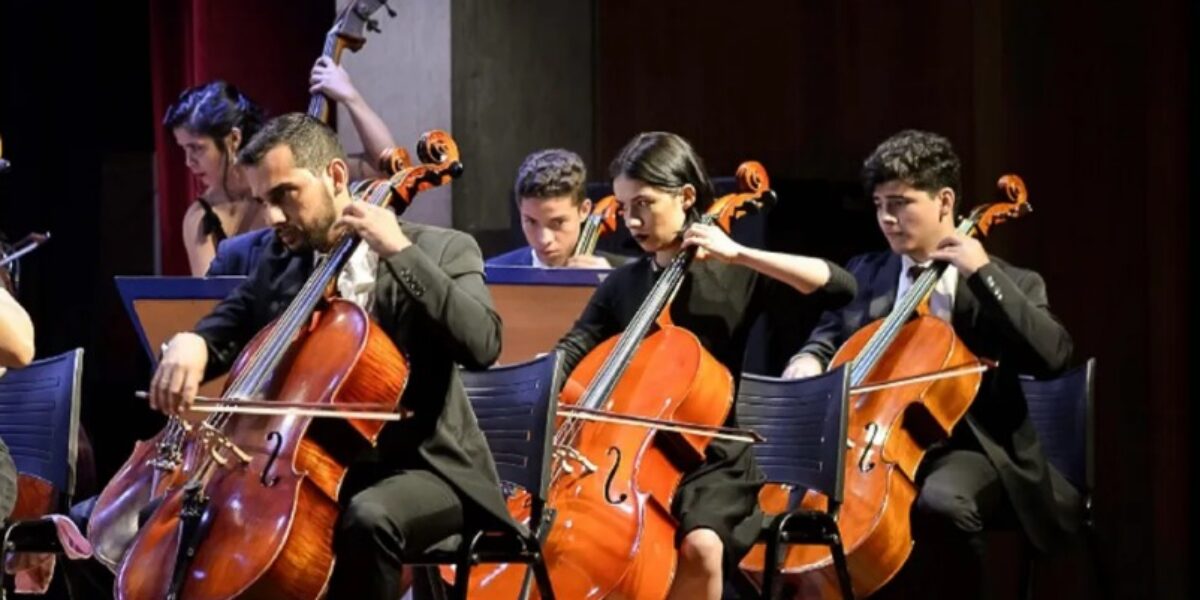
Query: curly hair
551, 173
923, 160
666, 161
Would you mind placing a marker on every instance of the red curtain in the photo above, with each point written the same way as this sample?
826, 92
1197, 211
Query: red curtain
265, 48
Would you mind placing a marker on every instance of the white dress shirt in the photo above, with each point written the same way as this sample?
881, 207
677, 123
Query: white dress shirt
356, 282
941, 299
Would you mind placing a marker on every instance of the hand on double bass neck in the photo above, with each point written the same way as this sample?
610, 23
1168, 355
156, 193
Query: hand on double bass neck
179, 374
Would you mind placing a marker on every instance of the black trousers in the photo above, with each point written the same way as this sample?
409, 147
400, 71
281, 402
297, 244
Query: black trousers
960, 494
401, 515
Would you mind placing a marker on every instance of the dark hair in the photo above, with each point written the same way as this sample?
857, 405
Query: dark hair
214, 109
666, 161
923, 160
314, 145
551, 173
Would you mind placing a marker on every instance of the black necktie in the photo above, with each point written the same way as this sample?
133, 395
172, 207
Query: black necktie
915, 271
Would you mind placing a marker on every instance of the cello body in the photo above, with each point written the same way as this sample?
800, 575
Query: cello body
268, 526
614, 535
889, 432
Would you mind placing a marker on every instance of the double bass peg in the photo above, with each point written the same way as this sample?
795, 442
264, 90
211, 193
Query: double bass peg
391, 12
373, 25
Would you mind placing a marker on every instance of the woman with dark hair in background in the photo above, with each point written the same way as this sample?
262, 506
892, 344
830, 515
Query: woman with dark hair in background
211, 122
663, 189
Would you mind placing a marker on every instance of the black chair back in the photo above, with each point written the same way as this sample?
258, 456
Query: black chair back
1061, 412
804, 423
515, 408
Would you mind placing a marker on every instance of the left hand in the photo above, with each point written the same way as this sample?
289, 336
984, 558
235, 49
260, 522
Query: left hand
377, 226
964, 252
332, 80
711, 240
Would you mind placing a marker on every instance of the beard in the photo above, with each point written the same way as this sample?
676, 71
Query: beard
314, 235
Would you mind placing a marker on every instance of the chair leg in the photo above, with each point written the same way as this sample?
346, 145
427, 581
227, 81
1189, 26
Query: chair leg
771, 567
1028, 557
545, 588
462, 579
843, 571
1101, 574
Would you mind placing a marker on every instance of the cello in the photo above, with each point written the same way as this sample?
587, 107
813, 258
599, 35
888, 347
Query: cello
255, 517
601, 221
160, 463
891, 428
639, 411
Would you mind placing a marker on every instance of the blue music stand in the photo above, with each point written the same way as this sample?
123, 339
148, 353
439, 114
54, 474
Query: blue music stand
161, 306
538, 305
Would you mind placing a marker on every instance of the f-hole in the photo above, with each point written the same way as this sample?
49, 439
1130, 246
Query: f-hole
276, 437
612, 473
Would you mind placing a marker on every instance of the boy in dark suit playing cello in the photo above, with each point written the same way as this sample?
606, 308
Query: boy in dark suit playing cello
991, 467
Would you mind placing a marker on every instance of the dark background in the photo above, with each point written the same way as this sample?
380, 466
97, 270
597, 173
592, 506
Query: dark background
1090, 102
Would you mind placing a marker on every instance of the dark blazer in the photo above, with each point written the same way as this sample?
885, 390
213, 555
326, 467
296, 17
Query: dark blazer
238, 255
431, 300
1000, 312
523, 257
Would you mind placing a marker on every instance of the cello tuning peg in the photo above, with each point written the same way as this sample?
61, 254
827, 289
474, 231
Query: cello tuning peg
391, 13
373, 25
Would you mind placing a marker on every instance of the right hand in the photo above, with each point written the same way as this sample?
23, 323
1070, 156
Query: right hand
179, 374
803, 365
331, 79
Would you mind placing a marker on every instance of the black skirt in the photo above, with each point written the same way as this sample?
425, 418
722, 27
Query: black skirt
722, 495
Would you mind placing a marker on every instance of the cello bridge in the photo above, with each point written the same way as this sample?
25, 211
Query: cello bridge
566, 454
216, 443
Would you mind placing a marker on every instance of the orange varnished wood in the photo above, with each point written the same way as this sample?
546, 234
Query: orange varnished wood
634, 539
274, 541
36, 498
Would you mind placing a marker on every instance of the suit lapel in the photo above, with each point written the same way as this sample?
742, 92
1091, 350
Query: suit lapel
883, 288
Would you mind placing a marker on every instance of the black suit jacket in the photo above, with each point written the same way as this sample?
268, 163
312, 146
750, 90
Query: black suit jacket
1000, 312
431, 300
238, 254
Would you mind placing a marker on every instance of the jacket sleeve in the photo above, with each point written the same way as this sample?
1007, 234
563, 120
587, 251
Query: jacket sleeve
450, 289
231, 325
830, 331
1019, 311
597, 323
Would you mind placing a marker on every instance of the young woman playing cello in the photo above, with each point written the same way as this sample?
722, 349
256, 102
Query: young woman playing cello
662, 187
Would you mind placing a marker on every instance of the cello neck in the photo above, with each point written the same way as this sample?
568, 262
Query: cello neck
907, 304
602, 386
589, 235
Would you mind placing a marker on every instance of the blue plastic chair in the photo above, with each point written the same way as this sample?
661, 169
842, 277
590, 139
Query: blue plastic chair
804, 423
1061, 412
515, 407
39, 421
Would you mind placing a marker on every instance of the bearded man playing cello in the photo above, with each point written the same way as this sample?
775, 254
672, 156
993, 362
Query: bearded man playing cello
991, 469
430, 475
